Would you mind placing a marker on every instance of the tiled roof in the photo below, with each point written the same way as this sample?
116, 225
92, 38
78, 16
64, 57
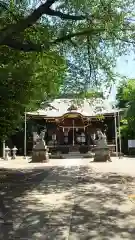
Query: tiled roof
87, 107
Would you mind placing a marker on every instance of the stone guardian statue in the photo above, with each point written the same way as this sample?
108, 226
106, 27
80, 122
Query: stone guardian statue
40, 151
102, 153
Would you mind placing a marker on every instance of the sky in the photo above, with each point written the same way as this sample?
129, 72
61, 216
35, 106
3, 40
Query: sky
126, 67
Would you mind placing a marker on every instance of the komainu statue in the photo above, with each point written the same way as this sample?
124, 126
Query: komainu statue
101, 150
40, 151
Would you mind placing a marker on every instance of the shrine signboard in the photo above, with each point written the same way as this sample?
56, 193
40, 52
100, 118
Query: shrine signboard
131, 143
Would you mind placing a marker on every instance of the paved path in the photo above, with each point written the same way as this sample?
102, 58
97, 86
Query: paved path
75, 200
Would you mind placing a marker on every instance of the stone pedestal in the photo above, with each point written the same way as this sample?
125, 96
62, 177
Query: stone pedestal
101, 154
40, 152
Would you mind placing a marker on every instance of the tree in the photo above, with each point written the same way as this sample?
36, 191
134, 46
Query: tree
91, 34
126, 99
26, 80
35, 39
121, 100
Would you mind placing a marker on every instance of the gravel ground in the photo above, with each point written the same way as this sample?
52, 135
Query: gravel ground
71, 199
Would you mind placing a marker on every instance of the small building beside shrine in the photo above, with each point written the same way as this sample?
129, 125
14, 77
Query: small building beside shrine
71, 124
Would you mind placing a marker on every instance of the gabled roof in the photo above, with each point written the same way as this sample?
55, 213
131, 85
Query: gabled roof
87, 107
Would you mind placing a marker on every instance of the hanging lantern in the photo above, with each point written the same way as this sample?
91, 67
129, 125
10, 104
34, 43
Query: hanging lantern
54, 137
78, 139
66, 133
83, 139
66, 139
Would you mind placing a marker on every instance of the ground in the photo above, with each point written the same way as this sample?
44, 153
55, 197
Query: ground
71, 199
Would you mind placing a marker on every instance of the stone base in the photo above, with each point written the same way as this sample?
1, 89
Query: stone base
88, 155
102, 155
40, 156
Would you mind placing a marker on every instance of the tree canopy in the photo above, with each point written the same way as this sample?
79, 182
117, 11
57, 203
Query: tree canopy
39, 39
126, 99
91, 34
26, 80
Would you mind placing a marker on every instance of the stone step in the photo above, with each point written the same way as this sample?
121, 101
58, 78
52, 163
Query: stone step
73, 149
74, 152
73, 155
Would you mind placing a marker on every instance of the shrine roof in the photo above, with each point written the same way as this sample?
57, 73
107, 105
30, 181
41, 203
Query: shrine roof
87, 108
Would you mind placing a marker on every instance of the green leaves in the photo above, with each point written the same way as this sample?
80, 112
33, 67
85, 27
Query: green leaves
36, 40
94, 41
126, 99
126, 92
26, 80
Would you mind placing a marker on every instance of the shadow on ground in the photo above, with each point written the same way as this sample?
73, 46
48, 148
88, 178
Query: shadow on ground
75, 202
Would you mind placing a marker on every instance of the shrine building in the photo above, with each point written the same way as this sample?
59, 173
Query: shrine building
70, 124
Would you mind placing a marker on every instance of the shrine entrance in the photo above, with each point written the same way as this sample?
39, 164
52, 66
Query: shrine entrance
76, 137
70, 137
74, 130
